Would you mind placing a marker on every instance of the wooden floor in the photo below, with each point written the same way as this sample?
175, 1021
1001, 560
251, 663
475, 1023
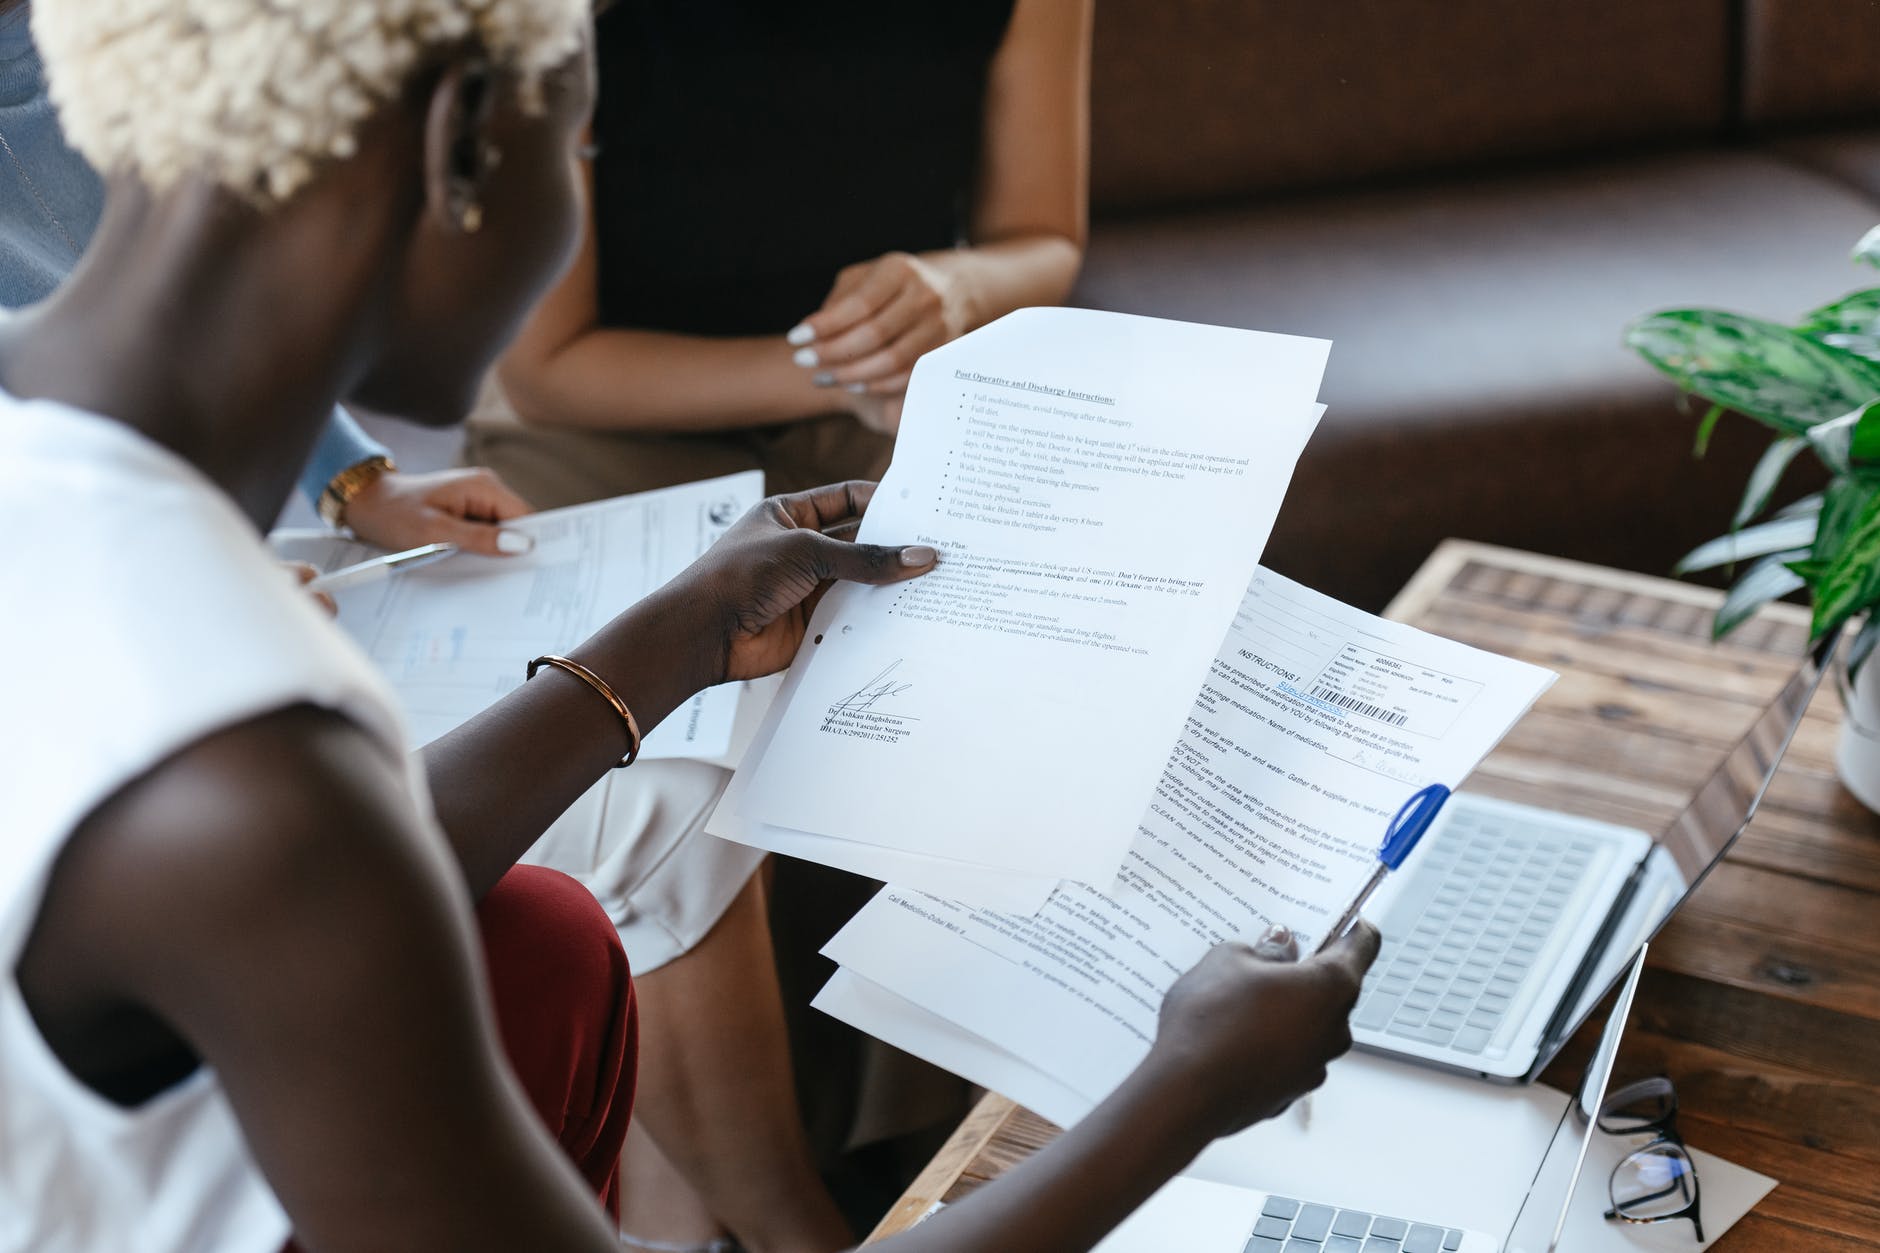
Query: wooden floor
1762, 1001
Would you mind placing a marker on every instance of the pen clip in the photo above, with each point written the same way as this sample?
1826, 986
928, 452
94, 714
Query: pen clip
1410, 823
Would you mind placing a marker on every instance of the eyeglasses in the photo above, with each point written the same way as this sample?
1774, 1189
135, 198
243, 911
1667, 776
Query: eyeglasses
1656, 1183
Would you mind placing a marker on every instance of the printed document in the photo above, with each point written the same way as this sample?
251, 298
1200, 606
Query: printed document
453, 637
1100, 487
1314, 724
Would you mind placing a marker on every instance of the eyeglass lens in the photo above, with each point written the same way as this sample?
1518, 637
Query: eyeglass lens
1659, 1181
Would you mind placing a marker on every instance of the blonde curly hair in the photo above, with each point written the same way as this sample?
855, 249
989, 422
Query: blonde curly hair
254, 94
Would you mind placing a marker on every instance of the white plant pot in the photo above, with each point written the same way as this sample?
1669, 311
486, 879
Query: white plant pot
1857, 756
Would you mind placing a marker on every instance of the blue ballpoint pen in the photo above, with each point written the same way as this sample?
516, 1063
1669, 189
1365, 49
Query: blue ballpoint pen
1399, 838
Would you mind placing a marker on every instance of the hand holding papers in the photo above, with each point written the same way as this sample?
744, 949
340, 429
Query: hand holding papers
1007, 721
1100, 487
1314, 724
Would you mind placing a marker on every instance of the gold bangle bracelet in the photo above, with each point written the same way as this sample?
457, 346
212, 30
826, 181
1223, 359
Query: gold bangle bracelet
599, 684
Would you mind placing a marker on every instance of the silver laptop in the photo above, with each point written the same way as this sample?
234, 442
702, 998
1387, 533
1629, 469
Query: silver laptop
1195, 1216
1510, 922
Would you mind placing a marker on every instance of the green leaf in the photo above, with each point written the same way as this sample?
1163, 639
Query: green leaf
1833, 440
1843, 502
1864, 446
1778, 376
1767, 580
1868, 249
1852, 580
1764, 477
1851, 323
1862, 647
1705, 429
1849, 442
1775, 535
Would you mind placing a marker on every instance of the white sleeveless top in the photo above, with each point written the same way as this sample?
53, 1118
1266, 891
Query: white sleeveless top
139, 613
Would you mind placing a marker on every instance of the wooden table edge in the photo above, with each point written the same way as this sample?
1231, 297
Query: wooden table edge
937, 1178
1438, 572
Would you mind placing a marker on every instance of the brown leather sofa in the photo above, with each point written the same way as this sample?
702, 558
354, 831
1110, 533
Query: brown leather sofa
1472, 198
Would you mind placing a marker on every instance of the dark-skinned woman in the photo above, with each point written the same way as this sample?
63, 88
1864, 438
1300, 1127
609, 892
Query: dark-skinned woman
249, 995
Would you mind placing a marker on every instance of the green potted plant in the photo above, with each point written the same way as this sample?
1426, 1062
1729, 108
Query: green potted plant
1816, 386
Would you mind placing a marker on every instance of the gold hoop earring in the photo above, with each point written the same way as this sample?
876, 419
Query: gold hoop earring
470, 218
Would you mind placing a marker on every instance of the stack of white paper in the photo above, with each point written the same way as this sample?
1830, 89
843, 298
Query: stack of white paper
1097, 739
1100, 487
1315, 723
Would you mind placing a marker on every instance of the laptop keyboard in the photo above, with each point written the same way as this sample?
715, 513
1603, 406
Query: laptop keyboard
1288, 1226
1468, 929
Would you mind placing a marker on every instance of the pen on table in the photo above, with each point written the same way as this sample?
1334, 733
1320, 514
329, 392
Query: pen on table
1399, 838
381, 567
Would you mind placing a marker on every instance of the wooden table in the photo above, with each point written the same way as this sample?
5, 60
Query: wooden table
1762, 1000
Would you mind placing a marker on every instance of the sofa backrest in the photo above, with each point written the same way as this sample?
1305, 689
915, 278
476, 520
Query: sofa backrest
1810, 61
1206, 100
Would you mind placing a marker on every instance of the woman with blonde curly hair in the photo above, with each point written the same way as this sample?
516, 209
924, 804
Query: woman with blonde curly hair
266, 976
49, 205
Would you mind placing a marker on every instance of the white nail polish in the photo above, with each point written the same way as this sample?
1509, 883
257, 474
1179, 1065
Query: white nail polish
515, 543
800, 334
807, 358
856, 388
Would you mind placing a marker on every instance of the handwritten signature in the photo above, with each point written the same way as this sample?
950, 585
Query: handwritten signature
869, 695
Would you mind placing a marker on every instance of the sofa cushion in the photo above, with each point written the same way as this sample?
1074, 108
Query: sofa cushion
1810, 62
1205, 100
1851, 157
1477, 384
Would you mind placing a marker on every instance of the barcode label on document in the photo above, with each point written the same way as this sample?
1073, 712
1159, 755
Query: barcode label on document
1336, 697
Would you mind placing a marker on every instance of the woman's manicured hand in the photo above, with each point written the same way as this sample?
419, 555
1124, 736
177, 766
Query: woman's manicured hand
1251, 1028
878, 319
462, 507
758, 585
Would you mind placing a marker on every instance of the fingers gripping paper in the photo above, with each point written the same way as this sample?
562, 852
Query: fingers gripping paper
1314, 723
1100, 487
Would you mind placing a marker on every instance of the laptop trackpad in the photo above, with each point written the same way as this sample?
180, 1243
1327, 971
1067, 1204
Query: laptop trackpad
1189, 1214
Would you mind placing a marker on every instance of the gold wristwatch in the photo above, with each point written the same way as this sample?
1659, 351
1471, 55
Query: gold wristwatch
347, 484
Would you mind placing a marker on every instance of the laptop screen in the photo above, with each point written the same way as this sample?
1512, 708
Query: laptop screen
1700, 835
1539, 1225
1690, 846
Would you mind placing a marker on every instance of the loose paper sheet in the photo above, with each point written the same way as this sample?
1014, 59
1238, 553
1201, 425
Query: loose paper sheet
453, 636
1100, 487
1315, 724
996, 889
